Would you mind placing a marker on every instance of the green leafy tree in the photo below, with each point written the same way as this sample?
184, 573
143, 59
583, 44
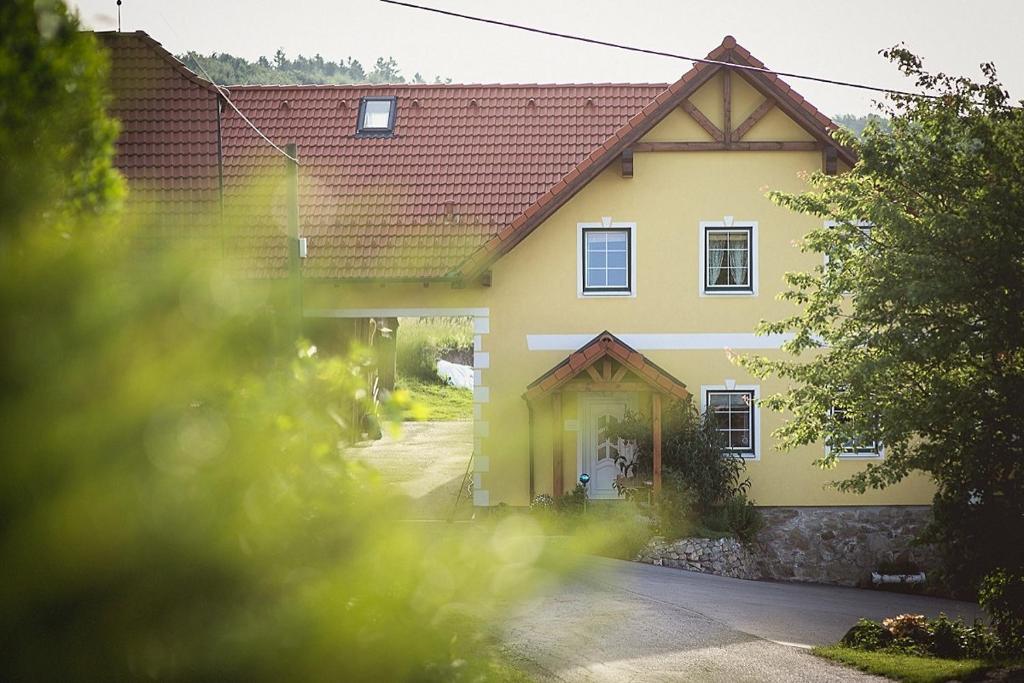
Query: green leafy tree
914, 330
386, 71
55, 139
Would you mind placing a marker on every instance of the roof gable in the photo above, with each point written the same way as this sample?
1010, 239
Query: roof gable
677, 95
606, 346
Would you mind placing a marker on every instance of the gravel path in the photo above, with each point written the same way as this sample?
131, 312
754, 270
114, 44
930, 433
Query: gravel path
427, 461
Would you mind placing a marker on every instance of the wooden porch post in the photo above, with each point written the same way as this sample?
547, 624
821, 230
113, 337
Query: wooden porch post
558, 474
656, 437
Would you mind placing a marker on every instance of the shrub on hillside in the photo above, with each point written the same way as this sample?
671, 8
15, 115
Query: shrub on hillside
421, 343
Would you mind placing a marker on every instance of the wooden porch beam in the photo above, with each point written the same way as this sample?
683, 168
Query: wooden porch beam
830, 161
656, 438
557, 474
759, 146
727, 105
703, 121
609, 386
627, 163
751, 121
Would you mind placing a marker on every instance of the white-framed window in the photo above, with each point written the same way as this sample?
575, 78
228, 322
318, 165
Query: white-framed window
737, 416
606, 259
855, 448
376, 116
865, 229
728, 257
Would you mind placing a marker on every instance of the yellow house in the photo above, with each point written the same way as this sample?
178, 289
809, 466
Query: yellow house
613, 243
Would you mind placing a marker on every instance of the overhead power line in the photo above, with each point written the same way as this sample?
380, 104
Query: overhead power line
227, 98
224, 93
659, 53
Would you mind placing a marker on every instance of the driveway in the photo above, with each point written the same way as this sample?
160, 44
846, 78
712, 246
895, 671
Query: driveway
427, 462
621, 621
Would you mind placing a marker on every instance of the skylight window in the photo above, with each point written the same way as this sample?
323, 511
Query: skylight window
377, 116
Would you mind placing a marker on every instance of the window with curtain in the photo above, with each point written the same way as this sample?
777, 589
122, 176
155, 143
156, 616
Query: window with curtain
606, 260
733, 413
855, 446
727, 259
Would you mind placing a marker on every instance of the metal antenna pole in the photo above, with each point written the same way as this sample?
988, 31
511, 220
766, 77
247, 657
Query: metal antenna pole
118, 16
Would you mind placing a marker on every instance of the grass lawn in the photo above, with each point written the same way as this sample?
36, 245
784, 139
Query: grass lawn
909, 668
437, 401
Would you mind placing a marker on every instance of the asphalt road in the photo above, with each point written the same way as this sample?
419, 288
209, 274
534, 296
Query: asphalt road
621, 621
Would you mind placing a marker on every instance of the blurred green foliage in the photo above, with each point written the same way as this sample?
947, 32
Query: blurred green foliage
174, 499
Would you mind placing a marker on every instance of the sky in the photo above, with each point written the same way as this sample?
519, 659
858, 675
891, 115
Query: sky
838, 40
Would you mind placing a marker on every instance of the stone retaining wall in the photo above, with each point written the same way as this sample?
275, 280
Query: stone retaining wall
834, 545
841, 545
723, 556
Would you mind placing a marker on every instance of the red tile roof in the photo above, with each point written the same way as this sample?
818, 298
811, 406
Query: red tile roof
606, 345
464, 161
816, 123
469, 172
168, 144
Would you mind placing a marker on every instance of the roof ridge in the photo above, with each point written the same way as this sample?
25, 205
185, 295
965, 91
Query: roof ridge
354, 86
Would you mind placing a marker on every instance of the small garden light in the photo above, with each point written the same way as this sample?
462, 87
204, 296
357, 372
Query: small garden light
584, 480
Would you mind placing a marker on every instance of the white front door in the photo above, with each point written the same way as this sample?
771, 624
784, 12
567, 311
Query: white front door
597, 449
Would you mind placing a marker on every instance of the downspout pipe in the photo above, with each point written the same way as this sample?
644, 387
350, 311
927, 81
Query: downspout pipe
529, 408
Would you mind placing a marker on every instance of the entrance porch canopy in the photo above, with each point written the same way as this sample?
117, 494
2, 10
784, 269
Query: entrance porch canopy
605, 363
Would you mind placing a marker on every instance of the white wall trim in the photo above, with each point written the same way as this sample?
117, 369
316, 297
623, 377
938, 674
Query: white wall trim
395, 312
685, 341
606, 222
755, 269
705, 388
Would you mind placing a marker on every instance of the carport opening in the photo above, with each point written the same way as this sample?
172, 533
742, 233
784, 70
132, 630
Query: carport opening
430, 357
434, 362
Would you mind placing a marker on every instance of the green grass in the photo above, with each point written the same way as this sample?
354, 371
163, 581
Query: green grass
421, 341
908, 668
436, 401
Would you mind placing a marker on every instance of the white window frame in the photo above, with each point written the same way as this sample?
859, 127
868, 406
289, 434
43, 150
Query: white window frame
727, 223
879, 453
605, 224
755, 424
860, 224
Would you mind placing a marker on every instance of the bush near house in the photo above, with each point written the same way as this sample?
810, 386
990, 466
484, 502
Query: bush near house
910, 647
704, 487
